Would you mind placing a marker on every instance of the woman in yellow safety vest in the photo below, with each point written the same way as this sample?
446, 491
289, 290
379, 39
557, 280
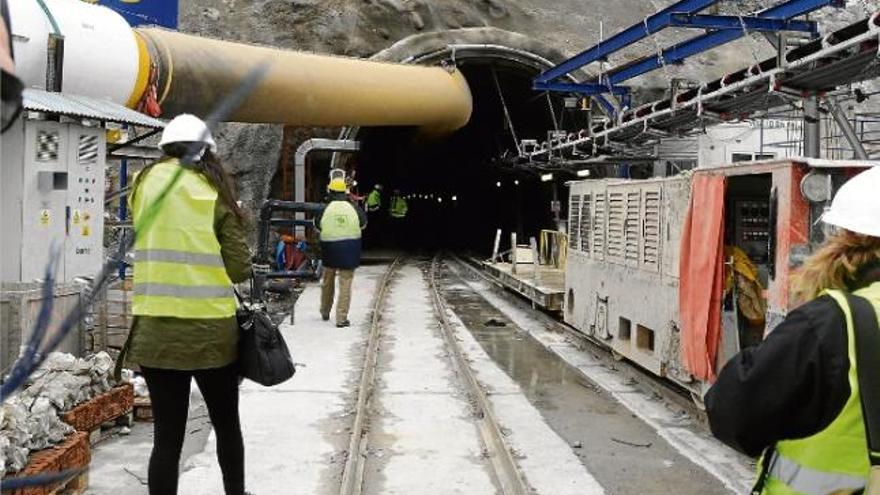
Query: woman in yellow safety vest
795, 397
186, 261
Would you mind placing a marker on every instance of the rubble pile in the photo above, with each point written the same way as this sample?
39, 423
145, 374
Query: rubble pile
30, 420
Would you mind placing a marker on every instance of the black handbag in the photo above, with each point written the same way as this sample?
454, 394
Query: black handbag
263, 356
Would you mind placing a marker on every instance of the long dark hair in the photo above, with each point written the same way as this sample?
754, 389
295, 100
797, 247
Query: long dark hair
211, 168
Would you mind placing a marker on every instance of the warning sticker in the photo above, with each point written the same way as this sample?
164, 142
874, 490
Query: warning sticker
86, 231
45, 218
76, 217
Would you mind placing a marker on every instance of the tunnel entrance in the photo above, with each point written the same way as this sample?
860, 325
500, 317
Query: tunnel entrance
458, 188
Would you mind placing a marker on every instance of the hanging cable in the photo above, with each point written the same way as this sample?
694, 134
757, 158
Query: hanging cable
659, 55
552, 111
506, 112
49, 16
748, 35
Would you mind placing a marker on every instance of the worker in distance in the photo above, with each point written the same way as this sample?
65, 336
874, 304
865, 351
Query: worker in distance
795, 398
340, 224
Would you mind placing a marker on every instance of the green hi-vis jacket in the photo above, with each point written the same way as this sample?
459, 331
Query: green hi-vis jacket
374, 200
399, 207
836, 458
186, 261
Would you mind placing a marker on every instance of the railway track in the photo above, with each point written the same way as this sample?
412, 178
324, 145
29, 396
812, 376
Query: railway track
353, 472
507, 475
668, 391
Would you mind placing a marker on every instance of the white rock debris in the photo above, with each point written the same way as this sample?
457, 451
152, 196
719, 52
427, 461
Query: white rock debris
30, 421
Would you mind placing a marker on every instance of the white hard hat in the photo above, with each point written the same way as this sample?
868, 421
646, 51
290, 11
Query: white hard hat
856, 207
187, 128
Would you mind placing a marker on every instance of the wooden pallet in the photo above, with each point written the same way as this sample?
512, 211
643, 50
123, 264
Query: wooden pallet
103, 414
143, 409
72, 454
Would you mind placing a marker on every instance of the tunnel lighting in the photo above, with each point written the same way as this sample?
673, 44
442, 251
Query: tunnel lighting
455, 198
546, 177
516, 182
583, 173
439, 200
498, 184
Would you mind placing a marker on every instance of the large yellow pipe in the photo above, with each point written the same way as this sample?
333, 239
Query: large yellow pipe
305, 89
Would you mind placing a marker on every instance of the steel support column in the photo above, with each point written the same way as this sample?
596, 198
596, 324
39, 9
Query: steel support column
846, 128
812, 129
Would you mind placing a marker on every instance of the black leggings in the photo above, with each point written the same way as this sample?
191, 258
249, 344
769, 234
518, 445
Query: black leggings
169, 394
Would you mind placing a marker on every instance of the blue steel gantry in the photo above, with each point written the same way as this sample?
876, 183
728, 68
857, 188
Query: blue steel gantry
801, 73
684, 13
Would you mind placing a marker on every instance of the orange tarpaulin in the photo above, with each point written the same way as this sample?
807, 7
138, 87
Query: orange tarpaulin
701, 274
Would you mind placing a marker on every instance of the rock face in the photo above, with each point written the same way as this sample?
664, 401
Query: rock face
362, 28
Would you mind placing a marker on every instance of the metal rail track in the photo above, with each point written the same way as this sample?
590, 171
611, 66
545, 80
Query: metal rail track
669, 391
507, 473
353, 472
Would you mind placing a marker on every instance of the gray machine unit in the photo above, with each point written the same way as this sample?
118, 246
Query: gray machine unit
52, 183
622, 270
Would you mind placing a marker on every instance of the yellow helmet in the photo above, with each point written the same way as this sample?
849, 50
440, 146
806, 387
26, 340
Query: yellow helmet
337, 185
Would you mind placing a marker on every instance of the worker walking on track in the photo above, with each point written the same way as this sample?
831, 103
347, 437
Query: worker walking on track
186, 261
374, 199
398, 207
340, 225
797, 397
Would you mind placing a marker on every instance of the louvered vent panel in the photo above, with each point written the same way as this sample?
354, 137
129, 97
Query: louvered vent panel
87, 153
47, 146
574, 219
631, 228
600, 208
586, 224
651, 234
616, 223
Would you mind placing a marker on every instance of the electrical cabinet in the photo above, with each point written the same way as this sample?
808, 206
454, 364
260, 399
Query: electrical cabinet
52, 180
752, 228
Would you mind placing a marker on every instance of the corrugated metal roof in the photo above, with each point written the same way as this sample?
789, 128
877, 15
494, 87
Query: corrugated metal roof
82, 106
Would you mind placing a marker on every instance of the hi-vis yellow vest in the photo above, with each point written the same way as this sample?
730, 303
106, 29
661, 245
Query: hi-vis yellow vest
178, 269
835, 459
340, 222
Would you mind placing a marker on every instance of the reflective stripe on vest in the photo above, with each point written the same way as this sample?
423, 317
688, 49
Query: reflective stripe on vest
803, 480
172, 256
340, 222
178, 270
837, 457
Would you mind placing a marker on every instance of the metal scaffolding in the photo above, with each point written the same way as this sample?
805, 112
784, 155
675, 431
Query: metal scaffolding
799, 74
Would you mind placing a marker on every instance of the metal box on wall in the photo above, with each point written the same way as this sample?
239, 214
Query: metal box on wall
53, 199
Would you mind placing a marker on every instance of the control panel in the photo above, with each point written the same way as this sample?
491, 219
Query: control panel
52, 199
752, 228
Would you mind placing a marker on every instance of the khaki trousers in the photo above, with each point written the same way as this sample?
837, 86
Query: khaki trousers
328, 287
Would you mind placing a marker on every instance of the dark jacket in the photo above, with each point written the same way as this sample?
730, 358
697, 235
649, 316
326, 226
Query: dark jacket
791, 386
345, 254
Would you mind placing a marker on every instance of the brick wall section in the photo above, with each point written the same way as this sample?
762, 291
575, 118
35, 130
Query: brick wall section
105, 407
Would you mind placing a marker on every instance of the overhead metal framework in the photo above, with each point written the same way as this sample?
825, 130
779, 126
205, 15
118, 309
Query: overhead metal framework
683, 14
840, 58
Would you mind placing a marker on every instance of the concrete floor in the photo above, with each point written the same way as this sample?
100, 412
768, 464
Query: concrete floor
422, 439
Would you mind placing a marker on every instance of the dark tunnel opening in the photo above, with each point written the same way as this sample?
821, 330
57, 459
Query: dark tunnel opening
458, 189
